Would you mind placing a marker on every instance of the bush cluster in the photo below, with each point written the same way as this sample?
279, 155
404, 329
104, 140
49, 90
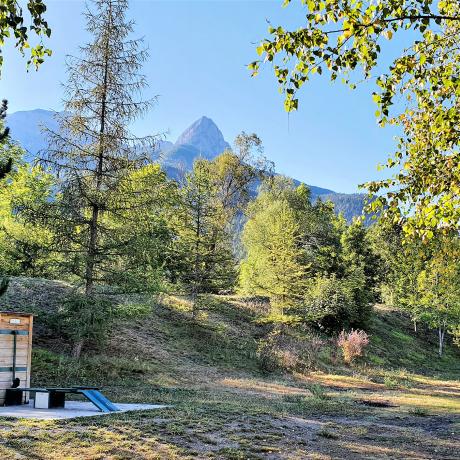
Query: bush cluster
352, 344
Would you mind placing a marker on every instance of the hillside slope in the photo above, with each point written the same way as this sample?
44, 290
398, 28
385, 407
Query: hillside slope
401, 401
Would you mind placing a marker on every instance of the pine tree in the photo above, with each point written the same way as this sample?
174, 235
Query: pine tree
93, 151
204, 245
275, 257
360, 267
214, 195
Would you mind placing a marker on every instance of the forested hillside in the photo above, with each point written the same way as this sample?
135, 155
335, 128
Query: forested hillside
100, 214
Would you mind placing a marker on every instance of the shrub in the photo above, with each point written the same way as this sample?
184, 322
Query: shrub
307, 405
334, 303
327, 434
318, 391
258, 305
352, 344
88, 319
83, 318
418, 411
286, 351
397, 379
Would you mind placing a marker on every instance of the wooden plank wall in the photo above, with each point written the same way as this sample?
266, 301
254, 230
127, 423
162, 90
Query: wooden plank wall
23, 350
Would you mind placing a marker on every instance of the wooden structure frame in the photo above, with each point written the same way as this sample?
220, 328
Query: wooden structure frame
15, 350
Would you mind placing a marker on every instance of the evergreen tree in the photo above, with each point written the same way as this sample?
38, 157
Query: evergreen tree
306, 260
320, 233
360, 266
213, 197
204, 252
5, 166
276, 258
93, 151
274, 263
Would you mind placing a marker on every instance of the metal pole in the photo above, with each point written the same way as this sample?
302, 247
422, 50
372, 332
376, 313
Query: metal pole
14, 355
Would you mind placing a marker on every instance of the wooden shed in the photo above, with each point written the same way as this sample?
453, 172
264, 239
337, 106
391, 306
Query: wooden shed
15, 350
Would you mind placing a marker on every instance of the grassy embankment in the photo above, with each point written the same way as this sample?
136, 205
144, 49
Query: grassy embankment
401, 401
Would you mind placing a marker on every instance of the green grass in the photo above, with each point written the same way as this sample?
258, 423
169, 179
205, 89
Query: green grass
223, 404
394, 345
402, 338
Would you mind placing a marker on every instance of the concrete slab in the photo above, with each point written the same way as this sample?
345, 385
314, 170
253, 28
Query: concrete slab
73, 409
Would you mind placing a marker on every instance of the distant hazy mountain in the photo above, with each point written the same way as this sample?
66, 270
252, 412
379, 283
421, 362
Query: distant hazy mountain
25, 127
163, 146
349, 204
201, 139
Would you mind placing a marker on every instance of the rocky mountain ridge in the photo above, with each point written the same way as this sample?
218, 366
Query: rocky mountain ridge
202, 139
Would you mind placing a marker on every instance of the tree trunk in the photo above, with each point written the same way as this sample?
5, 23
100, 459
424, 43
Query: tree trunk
194, 306
94, 224
92, 248
77, 347
441, 335
415, 325
197, 278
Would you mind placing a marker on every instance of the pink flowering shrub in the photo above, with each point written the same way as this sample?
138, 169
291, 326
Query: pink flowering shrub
352, 344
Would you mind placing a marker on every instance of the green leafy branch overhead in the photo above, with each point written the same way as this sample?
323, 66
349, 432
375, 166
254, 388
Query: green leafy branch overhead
341, 37
13, 27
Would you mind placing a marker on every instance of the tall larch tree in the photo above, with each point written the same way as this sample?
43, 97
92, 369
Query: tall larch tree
93, 151
275, 263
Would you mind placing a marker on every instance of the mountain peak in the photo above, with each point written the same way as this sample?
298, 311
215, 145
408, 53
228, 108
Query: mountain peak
204, 119
201, 139
38, 110
205, 136
25, 127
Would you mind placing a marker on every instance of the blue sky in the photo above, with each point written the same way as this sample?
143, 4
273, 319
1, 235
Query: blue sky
197, 65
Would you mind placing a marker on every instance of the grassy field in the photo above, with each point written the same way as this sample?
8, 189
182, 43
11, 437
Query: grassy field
401, 401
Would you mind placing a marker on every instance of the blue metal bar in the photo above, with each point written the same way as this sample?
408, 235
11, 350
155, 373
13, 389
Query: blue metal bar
10, 369
13, 331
